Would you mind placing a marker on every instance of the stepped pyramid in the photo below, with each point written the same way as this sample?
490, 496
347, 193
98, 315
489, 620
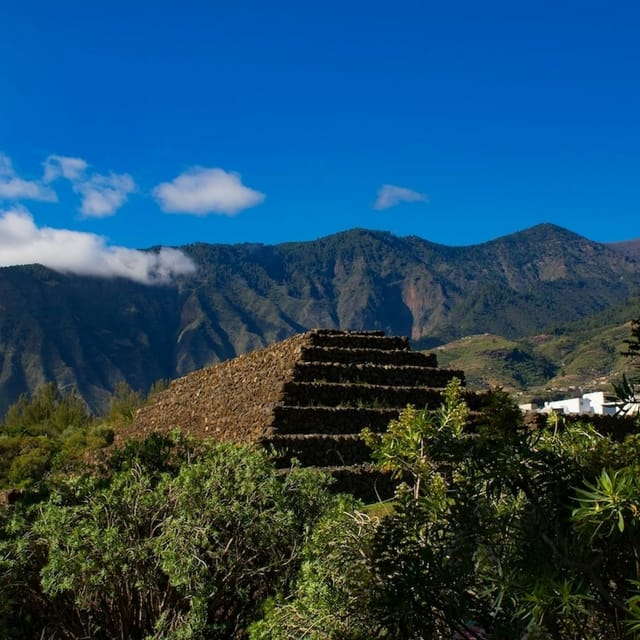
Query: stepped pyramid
308, 396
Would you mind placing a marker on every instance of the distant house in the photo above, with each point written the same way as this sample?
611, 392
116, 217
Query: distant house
595, 403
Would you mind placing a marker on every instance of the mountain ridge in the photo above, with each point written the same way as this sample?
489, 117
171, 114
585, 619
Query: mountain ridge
92, 333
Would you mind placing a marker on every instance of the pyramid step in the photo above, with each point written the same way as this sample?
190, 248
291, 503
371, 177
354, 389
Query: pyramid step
356, 355
318, 450
358, 340
387, 374
336, 394
329, 420
364, 481
342, 332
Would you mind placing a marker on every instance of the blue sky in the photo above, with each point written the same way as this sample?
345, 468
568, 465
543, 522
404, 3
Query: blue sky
131, 124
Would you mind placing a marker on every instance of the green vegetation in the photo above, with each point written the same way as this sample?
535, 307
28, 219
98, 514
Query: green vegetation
627, 388
489, 360
493, 525
525, 533
124, 402
45, 433
52, 433
172, 540
586, 354
633, 343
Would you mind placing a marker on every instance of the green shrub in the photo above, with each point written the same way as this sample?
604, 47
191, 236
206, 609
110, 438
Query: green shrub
186, 549
527, 533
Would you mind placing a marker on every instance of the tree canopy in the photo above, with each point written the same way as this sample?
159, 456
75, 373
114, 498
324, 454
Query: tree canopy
498, 529
173, 540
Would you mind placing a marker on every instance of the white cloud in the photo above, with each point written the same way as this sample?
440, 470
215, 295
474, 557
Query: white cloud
64, 167
102, 195
389, 195
12, 187
22, 242
201, 191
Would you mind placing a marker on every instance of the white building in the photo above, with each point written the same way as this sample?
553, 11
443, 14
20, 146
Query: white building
596, 403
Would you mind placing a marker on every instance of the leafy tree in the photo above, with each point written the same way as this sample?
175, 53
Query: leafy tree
124, 403
404, 448
47, 412
182, 546
525, 532
633, 343
331, 598
46, 432
627, 389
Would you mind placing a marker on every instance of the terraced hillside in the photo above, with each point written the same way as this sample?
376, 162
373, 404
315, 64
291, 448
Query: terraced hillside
308, 397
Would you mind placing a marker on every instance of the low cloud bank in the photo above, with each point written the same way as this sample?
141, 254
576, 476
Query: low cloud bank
22, 242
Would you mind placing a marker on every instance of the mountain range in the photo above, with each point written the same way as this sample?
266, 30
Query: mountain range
92, 333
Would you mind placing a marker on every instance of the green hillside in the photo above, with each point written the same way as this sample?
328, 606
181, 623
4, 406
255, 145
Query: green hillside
585, 354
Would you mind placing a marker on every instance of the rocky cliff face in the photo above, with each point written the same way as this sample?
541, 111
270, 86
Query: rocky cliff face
92, 333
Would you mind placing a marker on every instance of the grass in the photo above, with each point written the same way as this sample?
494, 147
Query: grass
379, 509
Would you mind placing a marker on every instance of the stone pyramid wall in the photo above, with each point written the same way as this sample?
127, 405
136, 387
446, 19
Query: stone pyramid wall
307, 397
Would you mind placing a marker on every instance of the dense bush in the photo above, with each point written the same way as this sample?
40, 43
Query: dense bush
49, 431
523, 533
183, 545
45, 432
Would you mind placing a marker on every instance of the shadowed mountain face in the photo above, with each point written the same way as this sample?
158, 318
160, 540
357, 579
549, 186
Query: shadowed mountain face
92, 332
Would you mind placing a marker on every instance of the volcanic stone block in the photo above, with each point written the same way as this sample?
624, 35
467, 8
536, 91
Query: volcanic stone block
397, 357
319, 450
405, 376
335, 394
290, 420
358, 340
